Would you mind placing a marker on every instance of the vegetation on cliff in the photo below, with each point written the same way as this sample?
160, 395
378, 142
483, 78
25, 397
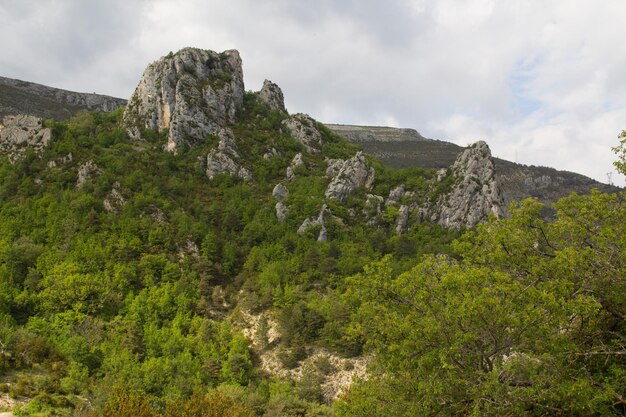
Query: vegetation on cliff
127, 294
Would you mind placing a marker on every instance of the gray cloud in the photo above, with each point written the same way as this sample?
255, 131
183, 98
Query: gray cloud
541, 79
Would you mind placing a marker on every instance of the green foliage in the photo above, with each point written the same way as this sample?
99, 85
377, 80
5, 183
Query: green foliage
620, 150
519, 317
527, 322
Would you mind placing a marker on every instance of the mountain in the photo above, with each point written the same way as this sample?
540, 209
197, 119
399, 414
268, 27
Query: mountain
23, 97
402, 148
202, 251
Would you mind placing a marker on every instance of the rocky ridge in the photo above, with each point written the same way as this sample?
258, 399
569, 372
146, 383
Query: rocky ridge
23, 97
402, 148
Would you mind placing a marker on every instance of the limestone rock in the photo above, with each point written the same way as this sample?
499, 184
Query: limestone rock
114, 200
272, 95
395, 195
316, 221
281, 211
222, 159
20, 133
372, 208
354, 174
188, 249
270, 154
475, 194
280, 192
303, 128
403, 219
192, 93
333, 166
295, 163
86, 172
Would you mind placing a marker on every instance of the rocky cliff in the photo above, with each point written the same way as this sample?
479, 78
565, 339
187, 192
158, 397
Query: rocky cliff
192, 94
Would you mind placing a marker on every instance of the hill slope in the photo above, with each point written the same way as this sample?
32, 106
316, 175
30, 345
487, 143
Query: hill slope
23, 97
401, 148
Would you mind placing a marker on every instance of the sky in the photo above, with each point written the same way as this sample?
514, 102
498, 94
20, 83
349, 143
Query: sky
542, 81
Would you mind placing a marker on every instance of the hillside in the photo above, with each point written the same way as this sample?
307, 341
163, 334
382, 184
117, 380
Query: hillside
23, 97
202, 252
401, 148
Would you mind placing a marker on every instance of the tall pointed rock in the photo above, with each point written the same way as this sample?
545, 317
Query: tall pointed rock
192, 93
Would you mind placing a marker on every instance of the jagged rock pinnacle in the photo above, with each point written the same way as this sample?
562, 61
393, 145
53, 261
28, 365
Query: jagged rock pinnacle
475, 193
272, 95
192, 93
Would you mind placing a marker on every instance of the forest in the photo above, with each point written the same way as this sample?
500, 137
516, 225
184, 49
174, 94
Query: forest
130, 294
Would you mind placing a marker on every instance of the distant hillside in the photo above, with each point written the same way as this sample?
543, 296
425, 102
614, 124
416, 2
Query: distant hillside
23, 97
402, 148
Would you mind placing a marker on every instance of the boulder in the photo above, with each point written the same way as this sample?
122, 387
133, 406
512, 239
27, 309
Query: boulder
86, 172
280, 192
354, 173
295, 163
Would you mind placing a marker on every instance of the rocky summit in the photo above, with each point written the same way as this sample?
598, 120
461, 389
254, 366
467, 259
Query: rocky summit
475, 193
191, 94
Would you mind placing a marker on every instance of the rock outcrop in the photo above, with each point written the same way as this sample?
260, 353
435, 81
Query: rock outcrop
192, 93
353, 174
272, 95
222, 159
296, 162
114, 201
86, 172
304, 128
20, 133
474, 194
280, 194
316, 221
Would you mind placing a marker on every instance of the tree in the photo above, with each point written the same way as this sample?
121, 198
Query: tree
620, 150
529, 321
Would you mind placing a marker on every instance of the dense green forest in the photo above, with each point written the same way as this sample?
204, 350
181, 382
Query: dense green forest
128, 295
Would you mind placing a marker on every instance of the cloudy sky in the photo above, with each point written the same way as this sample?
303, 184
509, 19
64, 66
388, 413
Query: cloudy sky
542, 81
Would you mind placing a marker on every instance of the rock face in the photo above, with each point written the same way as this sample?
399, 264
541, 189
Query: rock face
304, 129
475, 193
223, 158
353, 174
192, 93
272, 95
20, 133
